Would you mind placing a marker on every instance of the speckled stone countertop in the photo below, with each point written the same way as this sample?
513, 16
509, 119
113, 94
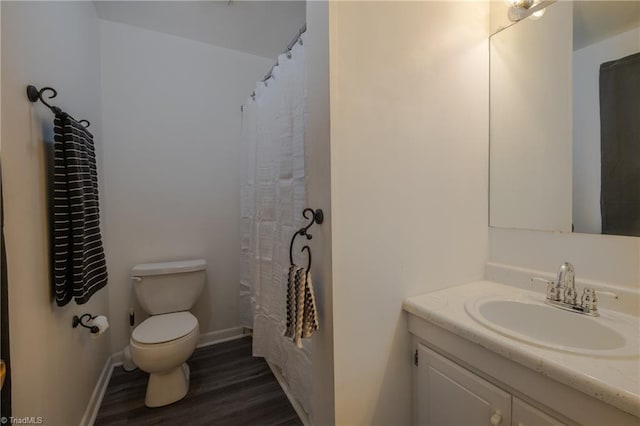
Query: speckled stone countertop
615, 381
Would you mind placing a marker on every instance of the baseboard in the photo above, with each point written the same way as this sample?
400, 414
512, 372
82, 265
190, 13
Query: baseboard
304, 417
116, 359
95, 401
206, 339
219, 336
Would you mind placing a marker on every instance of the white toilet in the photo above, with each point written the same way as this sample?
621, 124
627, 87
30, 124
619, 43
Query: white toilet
162, 343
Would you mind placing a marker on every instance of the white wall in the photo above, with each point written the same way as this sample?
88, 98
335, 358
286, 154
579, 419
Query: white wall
171, 115
318, 171
54, 367
499, 15
409, 168
586, 125
530, 174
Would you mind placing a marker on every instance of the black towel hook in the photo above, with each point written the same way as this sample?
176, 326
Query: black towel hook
308, 249
35, 95
317, 216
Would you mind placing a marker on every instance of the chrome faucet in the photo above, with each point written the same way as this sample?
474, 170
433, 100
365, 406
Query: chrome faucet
567, 283
562, 293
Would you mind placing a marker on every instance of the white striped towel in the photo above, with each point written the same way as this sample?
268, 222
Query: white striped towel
79, 263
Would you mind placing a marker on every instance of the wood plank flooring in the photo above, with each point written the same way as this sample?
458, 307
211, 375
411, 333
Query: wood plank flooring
228, 387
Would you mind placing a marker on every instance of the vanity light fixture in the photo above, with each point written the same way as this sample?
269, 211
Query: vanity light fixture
520, 9
538, 14
521, 4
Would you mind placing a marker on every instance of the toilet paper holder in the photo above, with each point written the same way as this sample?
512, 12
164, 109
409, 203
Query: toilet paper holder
78, 320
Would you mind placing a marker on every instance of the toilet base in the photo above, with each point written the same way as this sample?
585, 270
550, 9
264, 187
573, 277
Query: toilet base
168, 387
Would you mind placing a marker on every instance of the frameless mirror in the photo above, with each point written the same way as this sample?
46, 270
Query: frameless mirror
565, 120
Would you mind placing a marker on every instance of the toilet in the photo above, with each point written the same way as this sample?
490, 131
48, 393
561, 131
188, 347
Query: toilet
162, 343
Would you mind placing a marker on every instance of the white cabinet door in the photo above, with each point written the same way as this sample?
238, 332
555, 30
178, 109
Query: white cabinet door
524, 414
451, 395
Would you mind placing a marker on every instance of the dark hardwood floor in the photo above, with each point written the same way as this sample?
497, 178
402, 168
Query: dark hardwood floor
228, 387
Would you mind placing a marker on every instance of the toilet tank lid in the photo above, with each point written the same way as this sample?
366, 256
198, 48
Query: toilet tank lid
163, 268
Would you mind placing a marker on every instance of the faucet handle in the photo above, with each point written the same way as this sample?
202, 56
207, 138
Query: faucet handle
553, 290
589, 299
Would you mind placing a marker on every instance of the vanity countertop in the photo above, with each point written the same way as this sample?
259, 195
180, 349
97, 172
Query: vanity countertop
615, 381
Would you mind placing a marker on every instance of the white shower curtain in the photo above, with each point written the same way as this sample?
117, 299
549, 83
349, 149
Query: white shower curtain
273, 196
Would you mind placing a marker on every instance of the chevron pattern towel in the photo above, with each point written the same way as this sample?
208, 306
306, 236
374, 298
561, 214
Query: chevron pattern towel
302, 316
78, 256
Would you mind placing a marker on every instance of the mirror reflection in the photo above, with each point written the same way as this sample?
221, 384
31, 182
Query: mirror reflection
565, 120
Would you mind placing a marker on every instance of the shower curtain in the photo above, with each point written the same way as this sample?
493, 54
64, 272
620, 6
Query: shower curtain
620, 146
273, 196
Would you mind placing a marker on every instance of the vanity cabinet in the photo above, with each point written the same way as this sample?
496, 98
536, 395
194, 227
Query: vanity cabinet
524, 414
465, 372
452, 395
449, 394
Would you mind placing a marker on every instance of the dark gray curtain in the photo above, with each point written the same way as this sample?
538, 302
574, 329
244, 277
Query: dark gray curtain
620, 146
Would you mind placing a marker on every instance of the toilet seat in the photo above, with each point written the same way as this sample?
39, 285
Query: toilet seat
164, 328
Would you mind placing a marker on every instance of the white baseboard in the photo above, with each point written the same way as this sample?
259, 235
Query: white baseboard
95, 401
304, 417
115, 360
219, 336
205, 339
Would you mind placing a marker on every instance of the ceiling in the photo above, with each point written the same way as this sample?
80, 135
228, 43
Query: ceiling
262, 28
597, 20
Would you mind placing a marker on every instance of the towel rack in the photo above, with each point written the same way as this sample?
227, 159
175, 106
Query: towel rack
317, 216
35, 95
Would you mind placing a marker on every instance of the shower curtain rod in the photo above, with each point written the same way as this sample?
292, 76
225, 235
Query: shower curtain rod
289, 47
287, 52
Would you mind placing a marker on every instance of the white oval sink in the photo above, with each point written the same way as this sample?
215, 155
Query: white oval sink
533, 322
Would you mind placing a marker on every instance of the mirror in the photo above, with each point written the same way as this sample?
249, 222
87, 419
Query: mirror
565, 120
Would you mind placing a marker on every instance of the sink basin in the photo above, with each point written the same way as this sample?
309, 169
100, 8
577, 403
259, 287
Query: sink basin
531, 321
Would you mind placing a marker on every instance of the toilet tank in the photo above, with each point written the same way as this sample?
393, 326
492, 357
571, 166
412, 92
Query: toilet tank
168, 286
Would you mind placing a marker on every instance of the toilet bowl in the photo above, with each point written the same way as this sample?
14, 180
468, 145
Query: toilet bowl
161, 344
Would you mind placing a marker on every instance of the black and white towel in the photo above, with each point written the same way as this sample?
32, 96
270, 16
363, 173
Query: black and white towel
291, 300
302, 316
78, 256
